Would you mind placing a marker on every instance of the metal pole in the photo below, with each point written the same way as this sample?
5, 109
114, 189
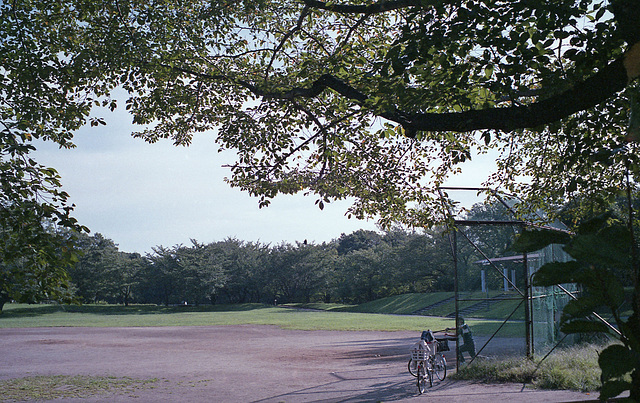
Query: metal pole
527, 310
456, 296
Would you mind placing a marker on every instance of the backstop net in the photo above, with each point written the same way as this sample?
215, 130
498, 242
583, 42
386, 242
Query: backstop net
493, 293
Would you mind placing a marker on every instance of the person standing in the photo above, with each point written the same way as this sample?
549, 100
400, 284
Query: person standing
465, 341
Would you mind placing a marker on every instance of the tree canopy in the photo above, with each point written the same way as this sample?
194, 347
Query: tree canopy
234, 271
376, 100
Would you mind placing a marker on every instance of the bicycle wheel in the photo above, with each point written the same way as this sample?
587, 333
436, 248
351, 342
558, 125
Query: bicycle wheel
422, 377
412, 365
440, 367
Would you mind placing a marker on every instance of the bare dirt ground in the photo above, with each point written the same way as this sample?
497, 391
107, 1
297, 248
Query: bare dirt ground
245, 364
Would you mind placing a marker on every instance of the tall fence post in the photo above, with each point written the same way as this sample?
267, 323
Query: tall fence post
455, 292
527, 308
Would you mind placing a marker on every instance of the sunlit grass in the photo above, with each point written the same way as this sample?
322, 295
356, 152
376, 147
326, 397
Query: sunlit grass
39, 388
400, 304
16, 315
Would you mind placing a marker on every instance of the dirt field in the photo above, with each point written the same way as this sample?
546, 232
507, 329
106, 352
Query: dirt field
244, 364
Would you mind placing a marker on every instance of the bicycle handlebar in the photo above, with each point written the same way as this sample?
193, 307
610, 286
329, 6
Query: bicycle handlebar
443, 330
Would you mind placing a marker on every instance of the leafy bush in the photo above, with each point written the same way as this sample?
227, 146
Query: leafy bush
574, 368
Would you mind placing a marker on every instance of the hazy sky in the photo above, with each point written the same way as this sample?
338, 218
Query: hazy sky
143, 195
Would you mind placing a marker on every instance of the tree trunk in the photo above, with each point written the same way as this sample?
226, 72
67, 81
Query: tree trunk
4, 298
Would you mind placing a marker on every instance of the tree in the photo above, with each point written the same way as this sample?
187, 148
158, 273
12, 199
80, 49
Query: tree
421, 262
35, 251
244, 267
362, 99
299, 272
38, 101
127, 276
202, 274
360, 239
34, 258
164, 277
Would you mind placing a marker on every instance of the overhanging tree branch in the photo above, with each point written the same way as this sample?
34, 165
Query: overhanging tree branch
379, 7
583, 95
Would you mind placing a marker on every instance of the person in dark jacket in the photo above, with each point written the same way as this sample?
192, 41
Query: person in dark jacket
465, 341
468, 344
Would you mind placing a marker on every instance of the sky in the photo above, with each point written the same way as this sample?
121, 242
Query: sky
144, 195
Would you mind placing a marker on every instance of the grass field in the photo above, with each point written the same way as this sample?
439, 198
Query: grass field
301, 317
20, 315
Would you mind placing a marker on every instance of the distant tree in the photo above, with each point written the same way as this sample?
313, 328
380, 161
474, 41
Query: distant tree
423, 263
163, 277
202, 275
92, 275
364, 274
360, 239
298, 272
244, 267
127, 276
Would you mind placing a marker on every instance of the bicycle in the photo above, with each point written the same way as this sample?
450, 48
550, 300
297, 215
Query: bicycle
426, 361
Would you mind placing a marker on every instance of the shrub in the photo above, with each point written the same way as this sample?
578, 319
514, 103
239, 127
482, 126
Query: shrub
574, 368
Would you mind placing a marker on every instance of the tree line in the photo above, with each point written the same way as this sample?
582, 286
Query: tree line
354, 268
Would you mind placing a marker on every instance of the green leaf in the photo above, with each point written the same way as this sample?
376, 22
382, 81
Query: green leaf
488, 71
595, 224
584, 305
616, 361
614, 291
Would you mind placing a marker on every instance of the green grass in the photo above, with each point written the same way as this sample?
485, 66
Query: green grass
406, 304
323, 317
37, 388
322, 306
19, 315
403, 304
574, 368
